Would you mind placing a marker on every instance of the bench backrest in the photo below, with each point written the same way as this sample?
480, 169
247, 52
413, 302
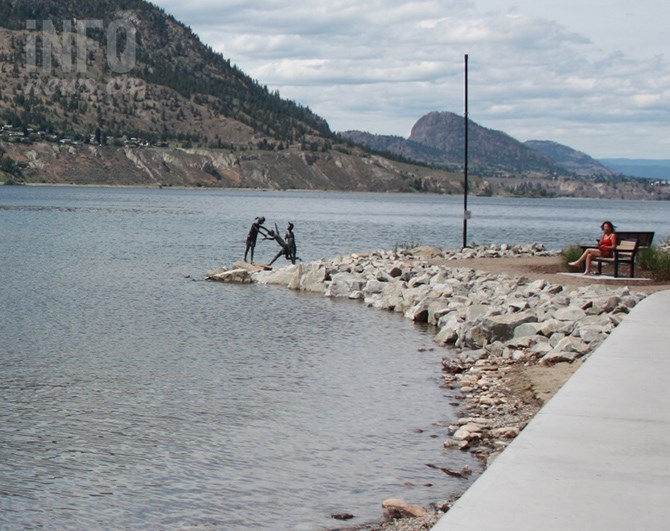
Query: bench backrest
643, 238
627, 246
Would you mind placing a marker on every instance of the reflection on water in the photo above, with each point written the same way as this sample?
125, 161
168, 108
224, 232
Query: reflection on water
136, 395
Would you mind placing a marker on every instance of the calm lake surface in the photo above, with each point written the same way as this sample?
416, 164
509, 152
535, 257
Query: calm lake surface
135, 395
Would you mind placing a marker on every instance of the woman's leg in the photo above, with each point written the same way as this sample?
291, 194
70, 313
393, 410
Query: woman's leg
589, 258
581, 259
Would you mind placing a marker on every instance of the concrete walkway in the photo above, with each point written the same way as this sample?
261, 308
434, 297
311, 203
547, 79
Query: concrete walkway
597, 456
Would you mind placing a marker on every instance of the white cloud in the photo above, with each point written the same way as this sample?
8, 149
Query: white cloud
537, 69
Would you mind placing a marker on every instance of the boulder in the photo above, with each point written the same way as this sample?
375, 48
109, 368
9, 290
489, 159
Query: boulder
501, 327
249, 266
437, 309
393, 297
396, 508
309, 277
236, 276
374, 286
468, 432
475, 337
571, 313
527, 329
591, 333
449, 330
281, 277
343, 284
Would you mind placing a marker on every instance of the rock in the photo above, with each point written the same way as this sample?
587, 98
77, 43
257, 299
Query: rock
416, 295
468, 432
475, 337
527, 329
604, 305
342, 284
508, 432
437, 309
572, 344
471, 356
448, 333
501, 327
571, 313
452, 366
498, 325
342, 516
237, 276
282, 277
392, 297
556, 356
418, 313
309, 277
476, 311
374, 286
591, 334
396, 508
240, 264
550, 327
394, 272
420, 280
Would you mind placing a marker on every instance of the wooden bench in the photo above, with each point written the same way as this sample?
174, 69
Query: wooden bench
643, 238
624, 253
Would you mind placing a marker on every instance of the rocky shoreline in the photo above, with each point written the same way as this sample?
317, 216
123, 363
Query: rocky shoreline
498, 329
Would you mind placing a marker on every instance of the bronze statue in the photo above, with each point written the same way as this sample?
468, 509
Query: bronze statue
287, 244
256, 227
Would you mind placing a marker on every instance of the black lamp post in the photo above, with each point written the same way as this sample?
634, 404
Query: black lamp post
466, 212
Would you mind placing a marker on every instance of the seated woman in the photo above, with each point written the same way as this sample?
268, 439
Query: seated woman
605, 248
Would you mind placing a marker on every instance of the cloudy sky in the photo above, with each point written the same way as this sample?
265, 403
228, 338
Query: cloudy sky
590, 74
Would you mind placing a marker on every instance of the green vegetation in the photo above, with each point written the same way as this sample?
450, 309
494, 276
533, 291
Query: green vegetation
570, 254
406, 245
179, 87
656, 261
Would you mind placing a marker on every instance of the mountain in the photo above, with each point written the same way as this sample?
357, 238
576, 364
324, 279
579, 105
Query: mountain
490, 152
119, 92
572, 160
645, 168
60, 76
438, 139
399, 147
537, 168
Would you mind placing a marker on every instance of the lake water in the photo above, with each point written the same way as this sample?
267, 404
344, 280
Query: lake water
135, 395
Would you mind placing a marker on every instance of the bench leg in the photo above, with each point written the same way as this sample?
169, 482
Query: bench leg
616, 268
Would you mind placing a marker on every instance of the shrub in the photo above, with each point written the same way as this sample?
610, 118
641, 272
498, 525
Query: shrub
656, 261
570, 254
406, 245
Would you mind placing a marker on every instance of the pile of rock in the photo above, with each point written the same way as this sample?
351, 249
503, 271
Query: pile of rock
491, 322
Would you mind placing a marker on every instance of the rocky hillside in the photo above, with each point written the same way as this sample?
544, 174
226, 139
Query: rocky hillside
155, 106
59, 77
570, 159
341, 168
490, 152
438, 139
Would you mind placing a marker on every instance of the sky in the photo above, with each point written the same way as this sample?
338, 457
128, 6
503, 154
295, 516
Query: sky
590, 74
